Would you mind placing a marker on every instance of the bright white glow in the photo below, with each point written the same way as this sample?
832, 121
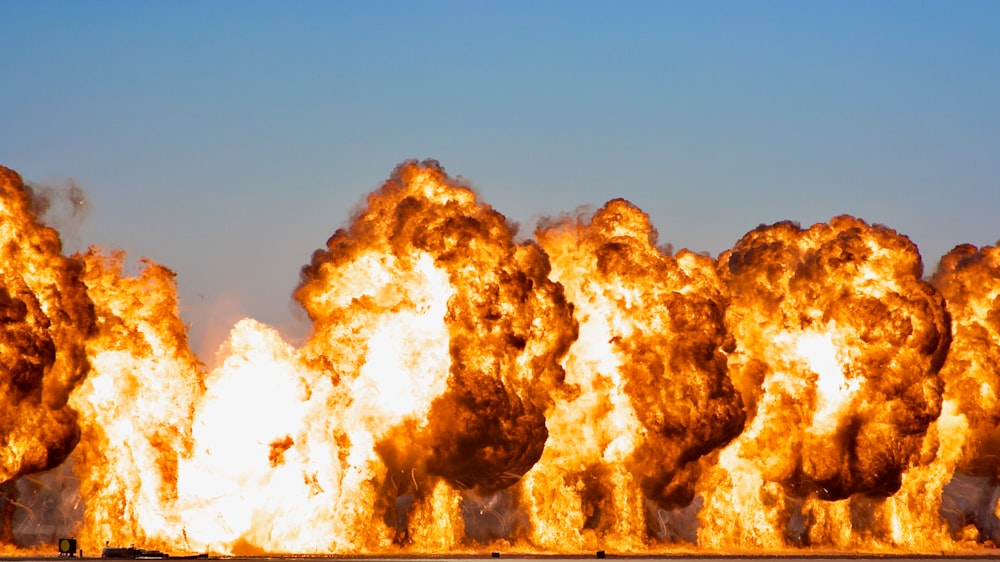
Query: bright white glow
833, 390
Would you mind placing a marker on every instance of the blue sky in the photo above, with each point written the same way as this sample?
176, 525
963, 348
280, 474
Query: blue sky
227, 140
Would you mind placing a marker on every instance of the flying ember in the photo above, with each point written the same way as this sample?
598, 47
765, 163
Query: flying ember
465, 389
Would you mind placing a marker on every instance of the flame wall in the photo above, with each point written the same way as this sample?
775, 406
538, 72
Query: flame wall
465, 389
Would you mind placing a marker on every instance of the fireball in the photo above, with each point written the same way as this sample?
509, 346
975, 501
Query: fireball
838, 347
448, 335
45, 320
650, 390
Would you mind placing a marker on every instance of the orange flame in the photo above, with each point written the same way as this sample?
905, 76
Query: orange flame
136, 405
447, 334
45, 318
838, 346
650, 392
463, 389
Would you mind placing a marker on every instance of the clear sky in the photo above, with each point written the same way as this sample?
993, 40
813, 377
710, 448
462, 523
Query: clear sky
227, 140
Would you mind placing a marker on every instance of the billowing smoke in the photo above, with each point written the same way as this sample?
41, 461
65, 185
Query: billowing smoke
62, 204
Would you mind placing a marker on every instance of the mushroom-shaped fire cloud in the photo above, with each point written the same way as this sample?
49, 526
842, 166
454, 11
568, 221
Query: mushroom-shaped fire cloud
447, 332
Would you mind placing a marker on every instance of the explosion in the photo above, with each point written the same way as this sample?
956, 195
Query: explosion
136, 404
969, 279
838, 347
650, 390
45, 319
447, 332
466, 389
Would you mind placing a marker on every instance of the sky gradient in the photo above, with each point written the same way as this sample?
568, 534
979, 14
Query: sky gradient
228, 140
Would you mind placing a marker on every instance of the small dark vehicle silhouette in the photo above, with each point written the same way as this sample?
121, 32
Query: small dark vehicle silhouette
132, 553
